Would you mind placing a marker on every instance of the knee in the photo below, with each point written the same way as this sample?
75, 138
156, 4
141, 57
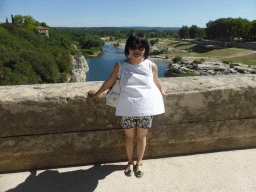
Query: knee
141, 137
129, 137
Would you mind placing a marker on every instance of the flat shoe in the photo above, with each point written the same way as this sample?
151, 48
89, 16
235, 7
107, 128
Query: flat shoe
129, 173
139, 174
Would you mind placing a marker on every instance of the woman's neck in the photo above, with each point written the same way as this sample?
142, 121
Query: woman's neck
135, 61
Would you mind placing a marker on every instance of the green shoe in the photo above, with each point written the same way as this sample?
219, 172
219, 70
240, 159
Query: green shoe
129, 173
139, 174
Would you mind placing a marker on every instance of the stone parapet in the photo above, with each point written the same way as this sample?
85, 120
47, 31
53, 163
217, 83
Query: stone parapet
53, 125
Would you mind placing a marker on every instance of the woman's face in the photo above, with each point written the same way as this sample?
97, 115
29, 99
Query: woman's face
137, 51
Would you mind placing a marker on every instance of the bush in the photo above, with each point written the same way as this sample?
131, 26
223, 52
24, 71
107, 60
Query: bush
197, 61
190, 50
42, 63
186, 74
240, 70
73, 51
227, 61
232, 65
177, 59
253, 72
116, 44
154, 41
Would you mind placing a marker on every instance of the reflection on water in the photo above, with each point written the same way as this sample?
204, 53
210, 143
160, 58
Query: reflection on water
100, 68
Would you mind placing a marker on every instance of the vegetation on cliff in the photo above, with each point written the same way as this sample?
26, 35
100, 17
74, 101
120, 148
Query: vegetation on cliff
27, 57
30, 58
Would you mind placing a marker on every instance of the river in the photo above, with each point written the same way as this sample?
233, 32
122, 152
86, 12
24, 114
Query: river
100, 68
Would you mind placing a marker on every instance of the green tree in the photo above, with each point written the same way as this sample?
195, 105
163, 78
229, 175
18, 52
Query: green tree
201, 33
12, 20
43, 24
193, 32
29, 22
183, 32
252, 32
241, 28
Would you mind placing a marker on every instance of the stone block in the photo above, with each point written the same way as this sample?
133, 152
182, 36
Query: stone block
54, 125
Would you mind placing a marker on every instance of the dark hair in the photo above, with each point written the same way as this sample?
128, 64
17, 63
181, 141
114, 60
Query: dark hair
137, 38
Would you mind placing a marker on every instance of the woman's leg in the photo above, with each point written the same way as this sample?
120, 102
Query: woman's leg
129, 143
141, 146
141, 143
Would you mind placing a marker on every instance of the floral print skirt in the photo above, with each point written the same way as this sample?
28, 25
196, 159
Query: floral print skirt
128, 122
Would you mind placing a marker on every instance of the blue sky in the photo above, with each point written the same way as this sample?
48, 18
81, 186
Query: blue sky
118, 13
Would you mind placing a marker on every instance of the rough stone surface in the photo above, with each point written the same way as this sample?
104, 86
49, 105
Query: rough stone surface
208, 68
56, 124
79, 70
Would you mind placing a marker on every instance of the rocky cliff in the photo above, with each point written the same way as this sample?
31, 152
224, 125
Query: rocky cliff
79, 69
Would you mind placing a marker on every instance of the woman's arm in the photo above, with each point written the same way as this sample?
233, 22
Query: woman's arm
156, 80
107, 84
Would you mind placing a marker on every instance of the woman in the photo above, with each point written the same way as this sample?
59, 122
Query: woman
140, 97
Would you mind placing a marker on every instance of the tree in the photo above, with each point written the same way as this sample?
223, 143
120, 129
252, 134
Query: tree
252, 32
183, 32
29, 22
43, 24
12, 20
201, 33
193, 32
19, 19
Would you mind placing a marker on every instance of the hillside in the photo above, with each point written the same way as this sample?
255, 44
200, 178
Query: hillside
30, 58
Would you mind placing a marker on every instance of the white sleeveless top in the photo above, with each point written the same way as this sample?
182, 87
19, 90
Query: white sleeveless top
139, 94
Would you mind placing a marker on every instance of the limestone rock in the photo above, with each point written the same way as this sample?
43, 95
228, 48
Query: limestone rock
208, 68
79, 69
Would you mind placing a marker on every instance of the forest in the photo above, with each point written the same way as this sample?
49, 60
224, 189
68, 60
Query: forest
223, 29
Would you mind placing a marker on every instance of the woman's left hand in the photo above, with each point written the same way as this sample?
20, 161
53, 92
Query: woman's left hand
92, 93
164, 91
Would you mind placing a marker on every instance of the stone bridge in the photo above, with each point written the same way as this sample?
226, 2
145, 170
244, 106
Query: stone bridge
54, 125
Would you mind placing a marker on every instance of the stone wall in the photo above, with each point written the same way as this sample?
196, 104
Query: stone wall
55, 125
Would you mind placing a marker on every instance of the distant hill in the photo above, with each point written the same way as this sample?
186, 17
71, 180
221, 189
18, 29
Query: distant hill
122, 28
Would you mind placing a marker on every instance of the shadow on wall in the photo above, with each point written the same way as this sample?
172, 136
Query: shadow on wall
53, 181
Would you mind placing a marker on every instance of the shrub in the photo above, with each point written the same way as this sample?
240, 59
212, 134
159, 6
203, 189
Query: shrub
202, 59
154, 41
197, 61
186, 74
240, 70
190, 50
116, 44
227, 61
43, 64
253, 72
177, 59
232, 65
63, 77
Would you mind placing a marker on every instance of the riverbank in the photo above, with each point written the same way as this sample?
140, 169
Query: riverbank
167, 49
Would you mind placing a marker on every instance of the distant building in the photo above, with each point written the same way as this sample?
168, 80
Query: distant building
43, 31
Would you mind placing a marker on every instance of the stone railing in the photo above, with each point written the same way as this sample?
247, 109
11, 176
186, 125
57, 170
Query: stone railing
57, 125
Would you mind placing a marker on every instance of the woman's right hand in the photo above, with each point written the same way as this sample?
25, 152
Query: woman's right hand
93, 94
